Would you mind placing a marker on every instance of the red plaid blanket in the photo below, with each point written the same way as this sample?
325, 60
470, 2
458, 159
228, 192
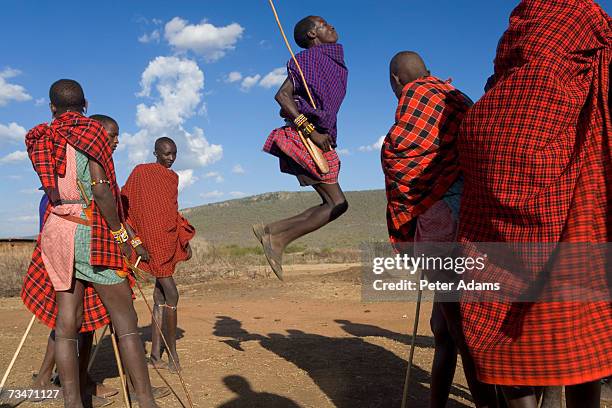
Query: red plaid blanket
285, 143
419, 156
535, 152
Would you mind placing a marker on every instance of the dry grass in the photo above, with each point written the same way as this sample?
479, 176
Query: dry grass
210, 261
14, 261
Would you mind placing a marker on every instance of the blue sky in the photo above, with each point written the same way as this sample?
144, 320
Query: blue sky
203, 72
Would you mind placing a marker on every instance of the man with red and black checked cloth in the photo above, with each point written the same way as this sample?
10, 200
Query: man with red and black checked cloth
535, 155
43, 378
150, 200
424, 186
58, 152
325, 73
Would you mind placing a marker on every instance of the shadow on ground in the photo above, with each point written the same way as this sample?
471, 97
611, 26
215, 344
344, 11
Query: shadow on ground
349, 370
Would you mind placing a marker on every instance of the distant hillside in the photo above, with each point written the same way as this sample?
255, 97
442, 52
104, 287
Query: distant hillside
229, 222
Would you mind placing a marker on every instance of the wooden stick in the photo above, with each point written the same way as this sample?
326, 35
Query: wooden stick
23, 339
137, 272
412, 343
280, 26
126, 397
95, 352
314, 150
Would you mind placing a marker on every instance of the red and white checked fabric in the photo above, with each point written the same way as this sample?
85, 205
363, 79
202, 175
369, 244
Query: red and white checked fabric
149, 198
535, 154
419, 155
285, 143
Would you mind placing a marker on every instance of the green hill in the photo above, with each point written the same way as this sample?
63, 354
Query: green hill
229, 222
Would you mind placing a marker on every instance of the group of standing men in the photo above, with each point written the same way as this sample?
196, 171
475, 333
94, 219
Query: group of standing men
91, 231
528, 162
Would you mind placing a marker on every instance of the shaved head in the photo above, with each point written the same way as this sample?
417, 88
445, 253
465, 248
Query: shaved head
301, 30
405, 67
67, 94
105, 120
408, 64
164, 141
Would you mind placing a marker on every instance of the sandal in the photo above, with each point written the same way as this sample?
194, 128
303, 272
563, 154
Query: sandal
273, 260
259, 230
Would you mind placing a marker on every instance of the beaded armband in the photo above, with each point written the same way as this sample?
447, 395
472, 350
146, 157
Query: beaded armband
96, 182
121, 235
136, 241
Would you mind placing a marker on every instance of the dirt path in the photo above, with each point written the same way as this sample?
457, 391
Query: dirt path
310, 342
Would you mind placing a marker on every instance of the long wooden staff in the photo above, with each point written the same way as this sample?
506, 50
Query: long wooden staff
126, 398
313, 149
23, 339
415, 328
95, 352
138, 273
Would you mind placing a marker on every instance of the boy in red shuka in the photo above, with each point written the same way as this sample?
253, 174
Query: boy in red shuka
150, 200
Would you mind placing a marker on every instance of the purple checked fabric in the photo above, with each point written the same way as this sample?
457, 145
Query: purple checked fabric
326, 75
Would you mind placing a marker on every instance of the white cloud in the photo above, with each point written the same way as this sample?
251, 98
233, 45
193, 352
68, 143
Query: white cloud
186, 178
11, 92
233, 76
202, 152
154, 36
237, 169
274, 78
249, 82
12, 132
175, 86
212, 194
216, 175
204, 39
14, 157
345, 152
237, 194
374, 146
179, 83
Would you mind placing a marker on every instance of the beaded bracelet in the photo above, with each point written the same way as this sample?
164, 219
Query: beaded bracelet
308, 128
300, 120
136, 241
95, 182
121, 235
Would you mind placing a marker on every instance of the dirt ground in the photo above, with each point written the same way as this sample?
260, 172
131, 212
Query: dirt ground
309, 342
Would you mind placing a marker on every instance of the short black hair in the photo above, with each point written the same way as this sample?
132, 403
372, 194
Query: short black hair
300, 32
105, 120
67, 94
163, 140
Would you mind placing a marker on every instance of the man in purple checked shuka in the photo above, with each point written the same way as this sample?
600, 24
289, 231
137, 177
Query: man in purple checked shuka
322, 63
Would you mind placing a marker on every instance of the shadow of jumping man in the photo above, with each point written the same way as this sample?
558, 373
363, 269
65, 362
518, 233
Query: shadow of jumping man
247, 398
349, 370
367, 330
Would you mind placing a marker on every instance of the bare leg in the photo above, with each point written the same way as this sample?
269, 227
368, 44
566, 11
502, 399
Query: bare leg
484, 394
445, 359
587, 395
158, 314
283, 232
171, 296
520, 397
43, 378
118, 301
69, 318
